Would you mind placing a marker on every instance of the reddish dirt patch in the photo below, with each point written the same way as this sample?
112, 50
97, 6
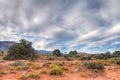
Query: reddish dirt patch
112, 72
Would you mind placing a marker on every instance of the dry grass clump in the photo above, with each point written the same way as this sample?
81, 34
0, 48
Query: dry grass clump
44, 71
70, 64
18, 65
23, 77
65, 68
36, 66
55, 70
33, 75
22, 67
2, 73
30, 75
10, 67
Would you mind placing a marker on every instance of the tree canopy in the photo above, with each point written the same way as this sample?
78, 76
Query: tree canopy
56, 52
73, 53
21, 50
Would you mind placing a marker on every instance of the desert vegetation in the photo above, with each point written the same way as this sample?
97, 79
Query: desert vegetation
21, 50
23, 63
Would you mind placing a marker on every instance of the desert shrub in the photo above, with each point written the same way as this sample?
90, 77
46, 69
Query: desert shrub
21, 50
50, 57
11, 67
71, 64
61, 58
29, 75
93, 65
118, 62
36, 66
59, 64
84, 75
115, 60
43, 71
33, 75
46, 65
22, 67
69, 58
12, 72
104, 62
103, 55
17, 63
55, 70
48, 62
65, 68
1, 61
85, 58
116, 54
1, 53
2, 72
65, 55
30, 63
23, 77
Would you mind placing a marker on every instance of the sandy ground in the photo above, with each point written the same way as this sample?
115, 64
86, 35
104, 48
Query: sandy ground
111, 72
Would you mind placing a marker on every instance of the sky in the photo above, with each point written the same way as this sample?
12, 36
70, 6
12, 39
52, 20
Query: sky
91, 26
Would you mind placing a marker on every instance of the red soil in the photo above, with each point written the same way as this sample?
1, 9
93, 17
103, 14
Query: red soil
111, 72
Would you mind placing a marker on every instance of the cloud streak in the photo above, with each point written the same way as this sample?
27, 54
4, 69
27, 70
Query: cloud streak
85, 25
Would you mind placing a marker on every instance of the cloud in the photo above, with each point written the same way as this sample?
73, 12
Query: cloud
98, 38
85, 25
115, 29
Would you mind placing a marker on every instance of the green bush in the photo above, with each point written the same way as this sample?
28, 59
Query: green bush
93, 65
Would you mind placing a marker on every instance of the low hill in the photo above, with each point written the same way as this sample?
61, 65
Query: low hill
44, 51
4, 45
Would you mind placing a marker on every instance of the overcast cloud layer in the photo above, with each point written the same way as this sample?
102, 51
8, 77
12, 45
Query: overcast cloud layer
84, 25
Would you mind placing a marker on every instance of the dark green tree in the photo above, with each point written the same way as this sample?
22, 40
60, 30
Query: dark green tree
108, 54
21, 50
73, 53
103, 55
56, 52
116, 54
